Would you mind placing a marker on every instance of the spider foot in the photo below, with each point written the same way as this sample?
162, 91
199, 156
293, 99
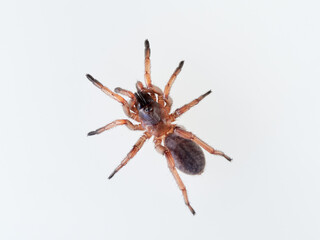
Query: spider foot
191, 209
223, 155
92, 133
112, 174
228, 158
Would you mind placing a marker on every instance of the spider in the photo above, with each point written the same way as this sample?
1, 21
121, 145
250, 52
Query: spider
150, 107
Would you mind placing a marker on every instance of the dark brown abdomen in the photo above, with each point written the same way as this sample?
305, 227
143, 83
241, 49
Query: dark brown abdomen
188, 156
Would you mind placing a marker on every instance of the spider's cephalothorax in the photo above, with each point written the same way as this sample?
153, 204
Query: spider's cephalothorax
151, 108
150, 111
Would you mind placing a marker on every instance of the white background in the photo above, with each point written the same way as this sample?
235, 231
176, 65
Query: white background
261, 60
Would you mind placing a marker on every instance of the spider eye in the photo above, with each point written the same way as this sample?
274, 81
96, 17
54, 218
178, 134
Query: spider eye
148, 109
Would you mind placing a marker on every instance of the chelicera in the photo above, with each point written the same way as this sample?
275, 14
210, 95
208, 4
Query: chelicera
151, 108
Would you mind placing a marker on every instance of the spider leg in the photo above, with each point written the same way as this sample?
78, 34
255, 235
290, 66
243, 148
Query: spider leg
117, 123
191, 136
179, 111
147, 67
132, 153
171, 80
168, 104
115, 96
165, 151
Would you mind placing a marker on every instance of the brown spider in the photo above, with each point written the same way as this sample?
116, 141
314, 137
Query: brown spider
151, 108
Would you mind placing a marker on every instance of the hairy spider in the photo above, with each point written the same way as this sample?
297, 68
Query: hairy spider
151, 108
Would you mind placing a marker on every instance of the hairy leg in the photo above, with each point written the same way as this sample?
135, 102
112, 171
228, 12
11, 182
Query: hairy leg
147, 73
168, 101
115, 96
179, 111
191, 136
117, 123
132, 153
171, 80
165, 151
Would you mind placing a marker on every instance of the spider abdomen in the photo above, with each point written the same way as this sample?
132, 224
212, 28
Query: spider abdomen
187, 155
